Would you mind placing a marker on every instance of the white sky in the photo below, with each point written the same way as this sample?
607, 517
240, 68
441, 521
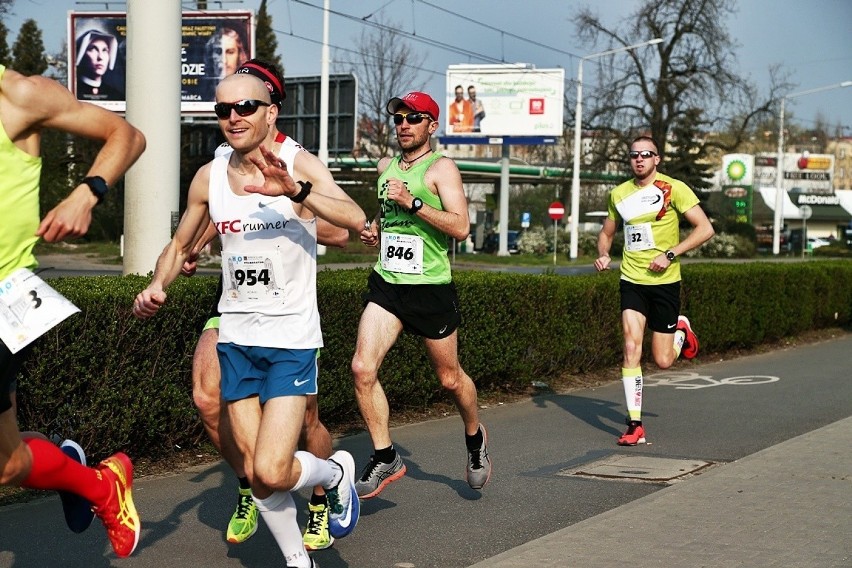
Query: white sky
810, 38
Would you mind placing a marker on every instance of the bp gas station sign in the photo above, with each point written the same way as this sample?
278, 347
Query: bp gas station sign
738, 183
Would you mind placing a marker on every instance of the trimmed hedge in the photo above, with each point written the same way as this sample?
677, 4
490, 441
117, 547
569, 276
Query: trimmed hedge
115, 382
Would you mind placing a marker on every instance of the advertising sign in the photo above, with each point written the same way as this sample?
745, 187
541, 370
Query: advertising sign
737, 169
802, 173
503, 100
737, 183
214, 44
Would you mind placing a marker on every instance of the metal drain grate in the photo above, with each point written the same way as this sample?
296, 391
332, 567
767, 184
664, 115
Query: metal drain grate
642, 468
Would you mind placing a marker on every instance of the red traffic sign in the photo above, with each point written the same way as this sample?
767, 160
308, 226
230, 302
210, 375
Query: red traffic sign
556, 211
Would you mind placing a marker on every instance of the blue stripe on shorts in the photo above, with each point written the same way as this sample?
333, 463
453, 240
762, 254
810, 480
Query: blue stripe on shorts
266, 371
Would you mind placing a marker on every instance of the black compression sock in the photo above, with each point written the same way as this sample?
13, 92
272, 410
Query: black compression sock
386, 455
244, 483
474, 442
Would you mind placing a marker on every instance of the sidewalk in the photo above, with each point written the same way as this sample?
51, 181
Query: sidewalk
778, 493
789, 505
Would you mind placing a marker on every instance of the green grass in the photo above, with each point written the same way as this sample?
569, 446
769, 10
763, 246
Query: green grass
519, 259
354, 253
106, 252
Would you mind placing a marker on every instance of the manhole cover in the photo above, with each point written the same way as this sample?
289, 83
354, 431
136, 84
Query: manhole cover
642, 468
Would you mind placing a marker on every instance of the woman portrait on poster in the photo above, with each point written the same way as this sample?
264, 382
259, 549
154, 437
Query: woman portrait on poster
96, 55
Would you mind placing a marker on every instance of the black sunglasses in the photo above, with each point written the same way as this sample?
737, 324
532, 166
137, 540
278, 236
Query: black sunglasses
245, 107
410, 117
645, 154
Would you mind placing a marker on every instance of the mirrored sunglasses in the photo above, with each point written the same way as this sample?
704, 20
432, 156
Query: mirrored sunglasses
410, 117
245, 107
645, 154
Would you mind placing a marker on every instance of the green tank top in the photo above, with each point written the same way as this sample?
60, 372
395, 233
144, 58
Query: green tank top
19, 185
398, 221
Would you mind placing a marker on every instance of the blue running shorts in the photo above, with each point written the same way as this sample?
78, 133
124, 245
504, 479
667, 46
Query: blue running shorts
266, 371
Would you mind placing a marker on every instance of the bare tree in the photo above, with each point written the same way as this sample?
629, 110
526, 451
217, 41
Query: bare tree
686, 85
386, 66
6, 7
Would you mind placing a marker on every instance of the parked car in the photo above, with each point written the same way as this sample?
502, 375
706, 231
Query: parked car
492, 242
816, 242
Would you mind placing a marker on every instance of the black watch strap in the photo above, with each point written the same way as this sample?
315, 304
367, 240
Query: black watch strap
670, 255
306, 190
416, 205
98, 186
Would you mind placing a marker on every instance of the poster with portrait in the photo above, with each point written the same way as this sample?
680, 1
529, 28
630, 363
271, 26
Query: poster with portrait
213, 45
97, 66
503, 100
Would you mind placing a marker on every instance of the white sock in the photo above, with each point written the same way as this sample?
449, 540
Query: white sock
279, 513
632, 381
679, 338
316, 472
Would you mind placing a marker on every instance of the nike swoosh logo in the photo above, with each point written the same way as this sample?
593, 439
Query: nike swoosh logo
443, 329
300, 383
344, 521
671, 326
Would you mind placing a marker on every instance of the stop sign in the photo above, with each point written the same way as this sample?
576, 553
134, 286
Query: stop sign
556, 211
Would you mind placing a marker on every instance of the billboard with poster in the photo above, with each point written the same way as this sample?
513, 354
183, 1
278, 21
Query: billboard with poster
213, 45
801, 172
504, 100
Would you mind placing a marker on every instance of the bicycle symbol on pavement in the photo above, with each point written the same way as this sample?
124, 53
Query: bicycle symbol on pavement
690, 381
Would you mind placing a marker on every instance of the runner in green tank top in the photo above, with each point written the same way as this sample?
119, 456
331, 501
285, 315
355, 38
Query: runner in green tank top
422, 205
434, 264
650, 206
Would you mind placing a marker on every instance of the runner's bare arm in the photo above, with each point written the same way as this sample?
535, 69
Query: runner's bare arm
325, 198
171, 260
444, 178
30, 104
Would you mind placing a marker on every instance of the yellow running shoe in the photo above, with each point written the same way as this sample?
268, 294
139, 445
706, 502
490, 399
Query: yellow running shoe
317, 536
243, 522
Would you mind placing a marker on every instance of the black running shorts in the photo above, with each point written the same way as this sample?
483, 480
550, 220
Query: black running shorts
10, 365
659, 303
427, 310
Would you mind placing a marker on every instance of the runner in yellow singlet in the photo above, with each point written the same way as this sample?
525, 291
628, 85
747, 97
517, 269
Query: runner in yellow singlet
650, 207
29, 106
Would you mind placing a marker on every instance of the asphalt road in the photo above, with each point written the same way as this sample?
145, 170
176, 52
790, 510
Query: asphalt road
431, 519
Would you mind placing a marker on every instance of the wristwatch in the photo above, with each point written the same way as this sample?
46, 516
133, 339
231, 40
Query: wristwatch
416, 205
303, 193
670, 255
98, 186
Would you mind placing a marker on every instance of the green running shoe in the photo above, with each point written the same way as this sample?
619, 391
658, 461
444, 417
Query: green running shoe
243, 523
316, 535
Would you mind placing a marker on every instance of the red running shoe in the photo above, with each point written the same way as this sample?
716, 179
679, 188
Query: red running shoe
690, 344
119, 515
635, 434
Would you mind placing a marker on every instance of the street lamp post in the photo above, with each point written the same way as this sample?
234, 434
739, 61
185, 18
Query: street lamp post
778, 219
578, 128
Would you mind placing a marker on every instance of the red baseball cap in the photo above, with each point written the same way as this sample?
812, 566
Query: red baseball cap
417, 101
